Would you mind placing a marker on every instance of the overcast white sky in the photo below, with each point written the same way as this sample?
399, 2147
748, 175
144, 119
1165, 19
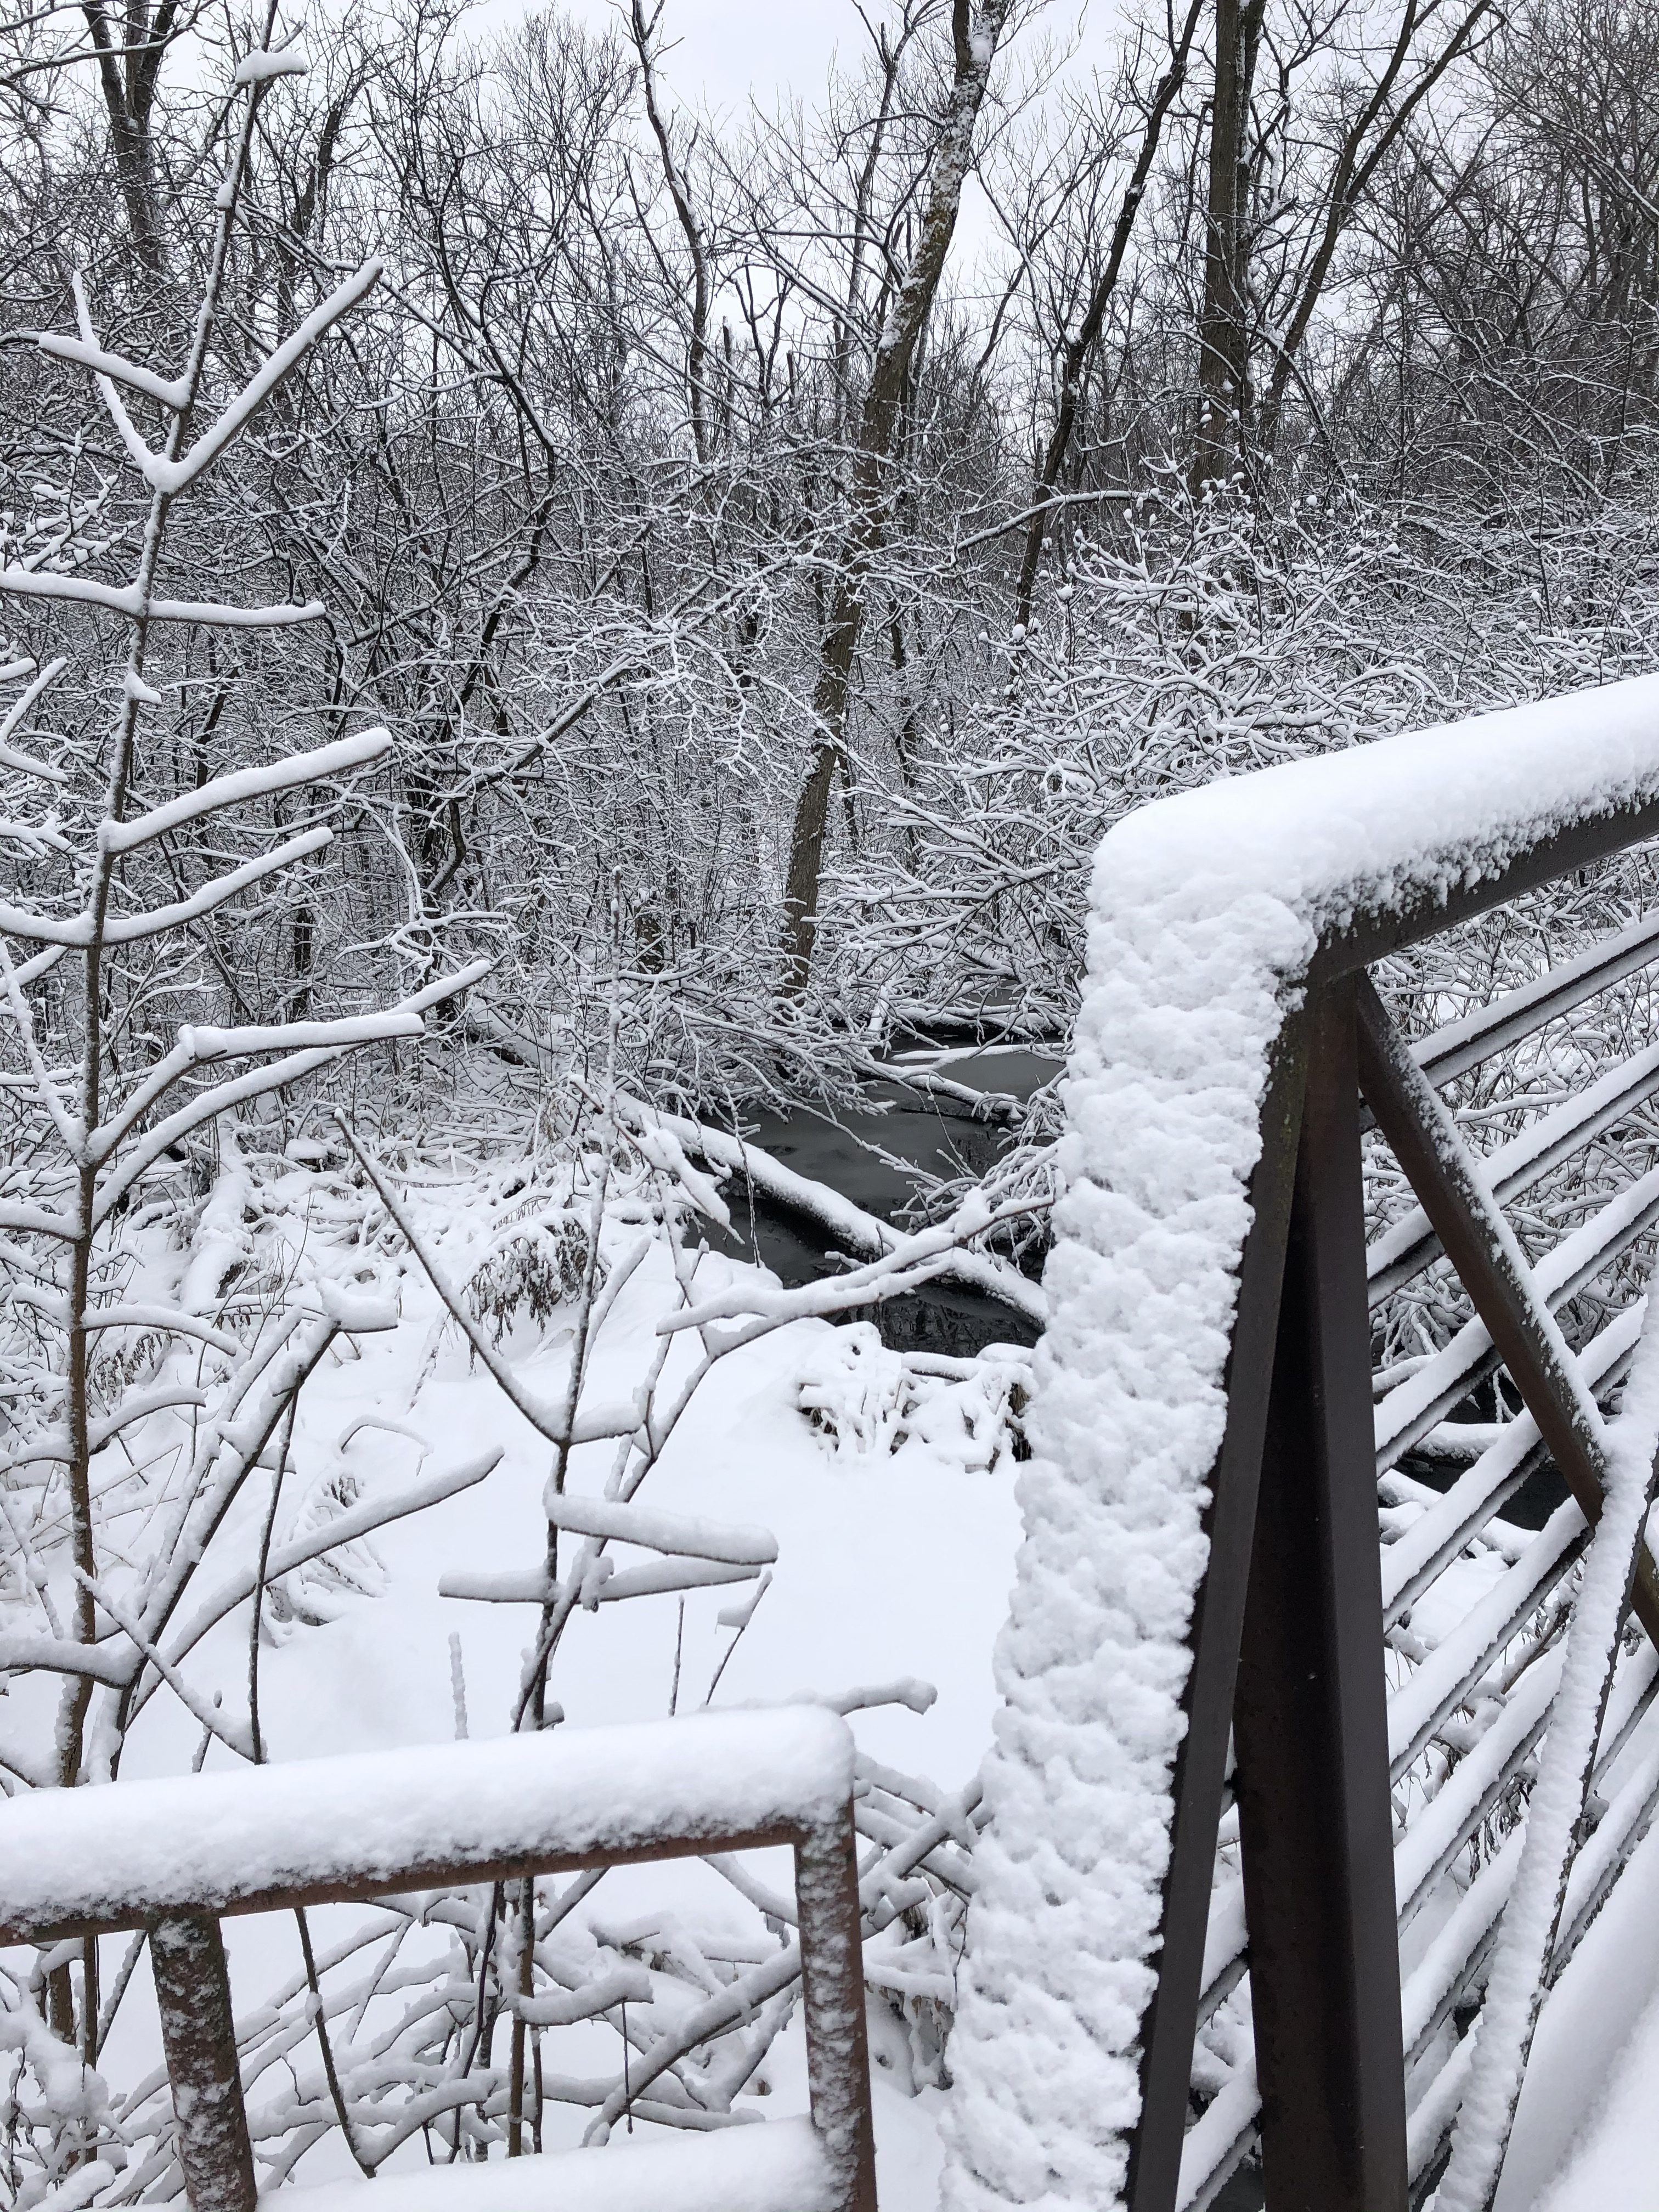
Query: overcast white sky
721, 53
724, 49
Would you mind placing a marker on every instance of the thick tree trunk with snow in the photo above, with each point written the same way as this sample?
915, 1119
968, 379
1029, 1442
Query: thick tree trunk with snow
1223, 335
975, 32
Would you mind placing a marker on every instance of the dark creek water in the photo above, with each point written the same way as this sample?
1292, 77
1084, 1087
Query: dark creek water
877, 1157
1241, 2191
1538, 1495
1531, 1506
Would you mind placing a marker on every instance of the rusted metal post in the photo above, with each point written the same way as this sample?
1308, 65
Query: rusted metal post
1170, 2024
192, 1990
832, 1991
1310, 1716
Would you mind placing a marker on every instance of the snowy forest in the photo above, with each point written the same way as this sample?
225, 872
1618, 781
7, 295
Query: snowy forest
565, 658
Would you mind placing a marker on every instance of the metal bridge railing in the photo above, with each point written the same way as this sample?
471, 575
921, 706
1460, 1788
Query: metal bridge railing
175, 1858
1242, 1737
1328, 1854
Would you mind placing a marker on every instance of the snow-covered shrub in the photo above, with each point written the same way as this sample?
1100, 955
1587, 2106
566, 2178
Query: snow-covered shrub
869, 1402
312, 1594
852, 1388
153, 1351
1193, 645
1193, 642
539, 1264
1199, 643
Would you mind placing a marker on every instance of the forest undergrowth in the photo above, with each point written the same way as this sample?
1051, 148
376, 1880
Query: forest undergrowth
536, 623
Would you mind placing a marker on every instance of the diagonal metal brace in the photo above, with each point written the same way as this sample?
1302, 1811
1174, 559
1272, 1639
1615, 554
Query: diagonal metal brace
1490, 1264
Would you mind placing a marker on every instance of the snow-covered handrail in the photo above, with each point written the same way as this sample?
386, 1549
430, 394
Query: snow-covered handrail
173, 1857
1229, 927
321, 1829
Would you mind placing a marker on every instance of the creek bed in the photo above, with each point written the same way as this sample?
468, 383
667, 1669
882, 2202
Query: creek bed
878, 1157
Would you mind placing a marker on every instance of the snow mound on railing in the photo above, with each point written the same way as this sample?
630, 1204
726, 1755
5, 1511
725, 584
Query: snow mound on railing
1206, 909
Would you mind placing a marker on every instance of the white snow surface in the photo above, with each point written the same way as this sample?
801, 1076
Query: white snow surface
1515, 1984
1583, 2134
122, 1854
261, 65
1616, 2165
1206, 909
778, 2166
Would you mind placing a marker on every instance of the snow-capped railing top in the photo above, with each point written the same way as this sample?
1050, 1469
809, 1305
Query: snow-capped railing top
79, 1860
1211, 912
1392, 839
172, 1856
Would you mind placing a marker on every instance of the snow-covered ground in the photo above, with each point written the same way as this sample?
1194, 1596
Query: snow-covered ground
1612, 2161
1585, 2131
897, 1543
890, 1565
895, 1552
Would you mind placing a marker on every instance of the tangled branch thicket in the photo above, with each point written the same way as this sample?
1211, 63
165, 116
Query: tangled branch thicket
582, 486
469, 518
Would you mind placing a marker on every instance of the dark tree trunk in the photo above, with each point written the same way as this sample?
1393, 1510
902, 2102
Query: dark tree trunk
1224, 333
976, 32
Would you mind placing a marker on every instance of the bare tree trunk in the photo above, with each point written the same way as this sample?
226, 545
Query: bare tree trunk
644, 30
128, 70
1224, 337
891, 52
975, 32
1075, 351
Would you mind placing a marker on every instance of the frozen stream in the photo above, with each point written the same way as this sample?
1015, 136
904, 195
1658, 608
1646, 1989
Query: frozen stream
878, 1157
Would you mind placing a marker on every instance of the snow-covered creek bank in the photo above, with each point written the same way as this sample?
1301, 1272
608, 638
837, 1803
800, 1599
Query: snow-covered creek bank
889, 1487
876, 1158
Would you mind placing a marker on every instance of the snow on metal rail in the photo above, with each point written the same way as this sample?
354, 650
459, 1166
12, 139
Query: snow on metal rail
1247, 1752
175, 1856
87, 1862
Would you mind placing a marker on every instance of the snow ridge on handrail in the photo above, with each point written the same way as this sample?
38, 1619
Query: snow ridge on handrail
133, 1851
1210, 912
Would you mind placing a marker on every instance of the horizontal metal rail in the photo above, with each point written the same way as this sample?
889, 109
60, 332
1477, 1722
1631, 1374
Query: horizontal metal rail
1410, 1245
1416, 1559
326, 1831
1468, 1716
173, 1858
1424, 1400
1452, 1050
